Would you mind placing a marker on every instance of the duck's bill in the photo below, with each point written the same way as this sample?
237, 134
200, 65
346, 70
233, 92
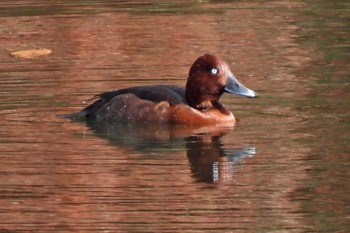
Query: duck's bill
233, 86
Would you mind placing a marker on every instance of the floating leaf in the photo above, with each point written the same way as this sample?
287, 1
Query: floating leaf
31, 53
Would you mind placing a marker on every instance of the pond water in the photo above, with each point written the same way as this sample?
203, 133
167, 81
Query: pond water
284, 167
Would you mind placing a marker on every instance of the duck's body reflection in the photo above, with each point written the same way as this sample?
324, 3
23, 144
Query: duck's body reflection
208, 159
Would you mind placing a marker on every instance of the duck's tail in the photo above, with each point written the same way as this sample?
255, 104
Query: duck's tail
89, 111
81, 114
75, 116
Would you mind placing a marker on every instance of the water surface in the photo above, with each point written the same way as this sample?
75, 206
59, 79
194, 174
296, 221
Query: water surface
284, 167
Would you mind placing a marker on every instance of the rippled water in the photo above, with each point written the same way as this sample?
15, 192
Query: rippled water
283, 168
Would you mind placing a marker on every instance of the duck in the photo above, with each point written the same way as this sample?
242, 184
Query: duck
198, 103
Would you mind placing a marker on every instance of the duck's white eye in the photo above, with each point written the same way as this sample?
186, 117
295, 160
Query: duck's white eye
214, 71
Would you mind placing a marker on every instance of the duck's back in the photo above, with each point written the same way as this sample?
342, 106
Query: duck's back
134, 104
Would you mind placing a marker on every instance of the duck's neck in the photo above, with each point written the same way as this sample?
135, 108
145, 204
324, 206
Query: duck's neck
199, 102
195, 98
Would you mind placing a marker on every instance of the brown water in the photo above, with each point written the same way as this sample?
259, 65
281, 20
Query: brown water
285, 167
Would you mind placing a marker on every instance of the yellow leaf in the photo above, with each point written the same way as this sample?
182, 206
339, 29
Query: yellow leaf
31, 53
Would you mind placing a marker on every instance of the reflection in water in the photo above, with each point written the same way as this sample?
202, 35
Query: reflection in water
208, 160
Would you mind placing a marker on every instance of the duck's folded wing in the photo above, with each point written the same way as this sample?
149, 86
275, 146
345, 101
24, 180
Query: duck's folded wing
171, 94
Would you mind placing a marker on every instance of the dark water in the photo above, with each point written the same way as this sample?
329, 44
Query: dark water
285, 167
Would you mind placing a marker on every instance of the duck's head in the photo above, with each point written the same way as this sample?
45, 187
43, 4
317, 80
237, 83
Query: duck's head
208, 79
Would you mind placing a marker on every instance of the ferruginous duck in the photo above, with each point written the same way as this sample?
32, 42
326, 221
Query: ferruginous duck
197, 103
